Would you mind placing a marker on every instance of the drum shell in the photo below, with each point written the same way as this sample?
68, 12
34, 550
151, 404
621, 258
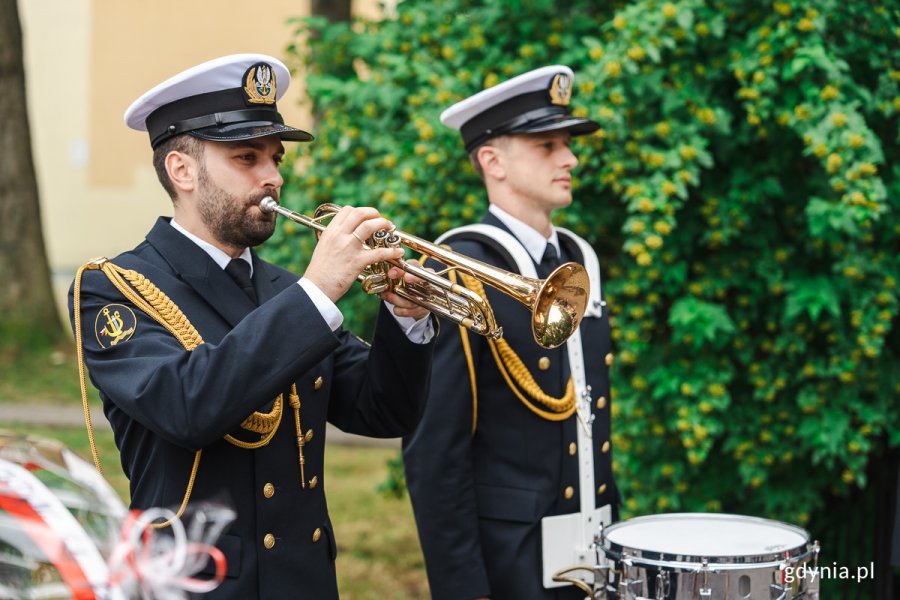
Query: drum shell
643, 574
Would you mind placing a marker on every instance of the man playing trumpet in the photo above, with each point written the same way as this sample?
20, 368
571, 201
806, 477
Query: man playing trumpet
218, 370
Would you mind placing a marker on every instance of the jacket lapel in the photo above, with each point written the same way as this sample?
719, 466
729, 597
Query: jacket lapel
195, 267
265, 278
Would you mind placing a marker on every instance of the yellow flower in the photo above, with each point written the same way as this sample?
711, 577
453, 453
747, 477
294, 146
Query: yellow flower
702, 29
656, 159
390, 161
619, 22
447, 52
688, 152
490, 80
838, 119
645, 205
829, 92
654, 242
433, 159
857, 198
663, 129
707, 115
669, 10
805, 25
834, 163
759, 77
636, 53
802, 112
748, 93
662, 227
554, 40
855, 140
616, 98
389, 197
820, 150
637, 227
867, 169
669, 188
613, 68
782, 8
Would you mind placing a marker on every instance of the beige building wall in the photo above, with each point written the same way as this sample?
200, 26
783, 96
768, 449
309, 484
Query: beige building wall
85, 62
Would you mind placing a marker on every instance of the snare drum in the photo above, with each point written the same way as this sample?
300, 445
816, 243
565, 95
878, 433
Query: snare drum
705, 556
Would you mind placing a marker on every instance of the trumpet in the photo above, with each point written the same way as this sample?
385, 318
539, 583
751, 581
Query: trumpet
557, 303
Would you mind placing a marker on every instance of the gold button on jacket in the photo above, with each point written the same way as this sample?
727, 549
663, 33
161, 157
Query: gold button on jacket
316, 535
318, 383
269, 541
268, 490
573, 448
601, 402
570, 491
543, 363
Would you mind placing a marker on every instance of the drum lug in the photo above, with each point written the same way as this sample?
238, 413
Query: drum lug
705, 590
662, 585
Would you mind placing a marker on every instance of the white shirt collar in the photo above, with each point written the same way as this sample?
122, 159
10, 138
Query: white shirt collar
216, 254
532, 239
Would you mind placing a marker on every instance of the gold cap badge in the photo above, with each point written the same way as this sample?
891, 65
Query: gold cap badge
561, 89
259, 84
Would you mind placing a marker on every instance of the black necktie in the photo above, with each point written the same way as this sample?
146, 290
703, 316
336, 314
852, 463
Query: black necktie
550, 260
239, 269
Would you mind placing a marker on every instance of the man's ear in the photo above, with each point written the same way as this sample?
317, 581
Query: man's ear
491, 160
183, 170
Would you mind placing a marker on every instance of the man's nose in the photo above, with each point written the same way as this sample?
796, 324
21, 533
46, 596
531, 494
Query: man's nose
570, 161
272, 177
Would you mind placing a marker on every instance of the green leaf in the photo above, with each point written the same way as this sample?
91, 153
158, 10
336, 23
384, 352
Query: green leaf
701, 321
812, 296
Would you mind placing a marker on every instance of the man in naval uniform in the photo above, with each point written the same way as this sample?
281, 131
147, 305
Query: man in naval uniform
509, 464
218, 370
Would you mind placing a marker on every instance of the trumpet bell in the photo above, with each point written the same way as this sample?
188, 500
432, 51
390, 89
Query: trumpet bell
560, 305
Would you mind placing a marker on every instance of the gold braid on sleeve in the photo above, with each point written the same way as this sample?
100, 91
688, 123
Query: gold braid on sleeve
157, 305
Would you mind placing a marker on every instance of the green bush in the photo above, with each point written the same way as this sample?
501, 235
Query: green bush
742, 193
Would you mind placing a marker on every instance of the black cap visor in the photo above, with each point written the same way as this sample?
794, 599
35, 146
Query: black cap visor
575, 125
252, 129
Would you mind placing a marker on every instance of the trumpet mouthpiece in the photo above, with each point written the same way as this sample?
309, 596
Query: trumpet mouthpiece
268, 204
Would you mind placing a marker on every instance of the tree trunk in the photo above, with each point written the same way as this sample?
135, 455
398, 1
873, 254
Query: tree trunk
333, 10
27, 307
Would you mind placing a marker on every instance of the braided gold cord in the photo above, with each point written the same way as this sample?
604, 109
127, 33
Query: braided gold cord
518, 377
158, 306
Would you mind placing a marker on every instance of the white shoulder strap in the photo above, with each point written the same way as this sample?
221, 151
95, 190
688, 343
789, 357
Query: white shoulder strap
592, 266
506, 239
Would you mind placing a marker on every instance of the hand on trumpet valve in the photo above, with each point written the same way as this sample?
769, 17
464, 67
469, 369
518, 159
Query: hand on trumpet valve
402, 306
340, 256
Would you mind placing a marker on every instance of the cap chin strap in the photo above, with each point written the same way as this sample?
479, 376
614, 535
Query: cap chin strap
218, 119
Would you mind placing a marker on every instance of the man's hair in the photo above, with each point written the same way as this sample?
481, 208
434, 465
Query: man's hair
184, 143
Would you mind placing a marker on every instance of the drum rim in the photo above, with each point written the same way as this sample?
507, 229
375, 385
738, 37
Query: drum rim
690, 563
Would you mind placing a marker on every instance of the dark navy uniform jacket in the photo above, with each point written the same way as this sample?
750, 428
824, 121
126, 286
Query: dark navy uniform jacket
164, 403
479, 497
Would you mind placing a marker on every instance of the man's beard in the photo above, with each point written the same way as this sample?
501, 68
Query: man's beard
228, 217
